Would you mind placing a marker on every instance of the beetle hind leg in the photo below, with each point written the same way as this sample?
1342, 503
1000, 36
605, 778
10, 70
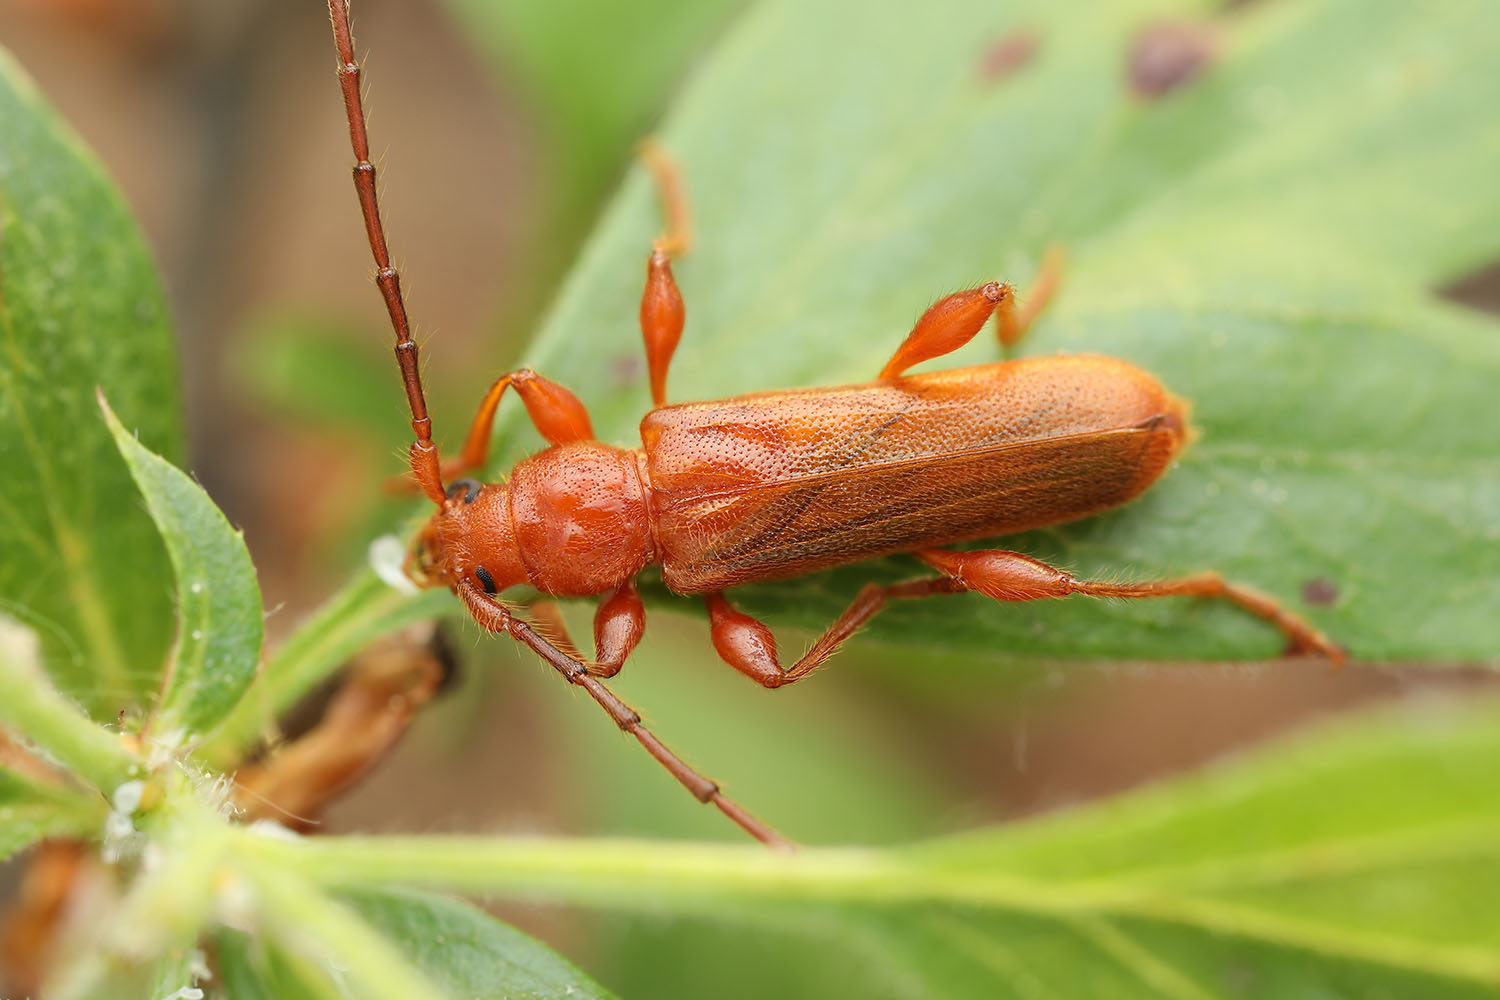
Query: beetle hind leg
1011, 576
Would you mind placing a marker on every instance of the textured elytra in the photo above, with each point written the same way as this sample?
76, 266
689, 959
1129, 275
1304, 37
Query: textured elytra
776, 485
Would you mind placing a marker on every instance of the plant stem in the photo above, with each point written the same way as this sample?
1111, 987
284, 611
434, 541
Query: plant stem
635, 873
36, 711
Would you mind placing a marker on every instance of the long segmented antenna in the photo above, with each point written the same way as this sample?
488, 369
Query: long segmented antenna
424, 454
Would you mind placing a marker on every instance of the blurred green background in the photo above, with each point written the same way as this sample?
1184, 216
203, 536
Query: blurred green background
506, 126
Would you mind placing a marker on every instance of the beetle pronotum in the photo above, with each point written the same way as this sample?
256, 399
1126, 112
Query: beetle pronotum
778, 484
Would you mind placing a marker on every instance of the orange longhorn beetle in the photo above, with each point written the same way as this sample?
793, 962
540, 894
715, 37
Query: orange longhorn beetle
778, 484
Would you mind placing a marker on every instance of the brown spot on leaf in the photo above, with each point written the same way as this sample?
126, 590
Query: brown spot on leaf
1320, 591
1478, 289
1007, 54
1167, 56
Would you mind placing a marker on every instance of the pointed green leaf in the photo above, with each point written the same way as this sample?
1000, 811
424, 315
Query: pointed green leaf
253, 968
1361, 859
1265, 239
219, 615
80, 306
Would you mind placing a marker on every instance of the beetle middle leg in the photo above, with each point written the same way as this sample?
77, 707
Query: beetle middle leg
662, 312
1012, 318
1011, 576
747, 645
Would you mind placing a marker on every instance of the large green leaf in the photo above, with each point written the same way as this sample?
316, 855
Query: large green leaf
1362, 859
1265, 239
219, 615
468, 952
465, 952
80, 306
597, 72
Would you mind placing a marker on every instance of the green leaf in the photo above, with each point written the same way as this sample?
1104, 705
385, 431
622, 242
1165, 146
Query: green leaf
1265, 239
597, 70
468, 952
219, 616
299, 366
252, 968
31, 811
1361, 859
80, 306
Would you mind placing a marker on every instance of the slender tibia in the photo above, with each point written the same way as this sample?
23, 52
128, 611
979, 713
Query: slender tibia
949, 324
1013, 319
1011, 576
748, 646
496, 618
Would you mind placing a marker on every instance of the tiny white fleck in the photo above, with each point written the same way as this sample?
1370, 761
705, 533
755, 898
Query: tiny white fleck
197, 587
197, 635
127, 797
387, 554
271, 828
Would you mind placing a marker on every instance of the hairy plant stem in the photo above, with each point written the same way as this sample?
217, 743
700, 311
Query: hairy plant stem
37, 712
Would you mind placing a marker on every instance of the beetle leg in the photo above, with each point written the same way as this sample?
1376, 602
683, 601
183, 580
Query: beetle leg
662, 312
948, 324
748, 646
556, 413
618, 626
1013, 319
619, 623
496, 618
1011, 576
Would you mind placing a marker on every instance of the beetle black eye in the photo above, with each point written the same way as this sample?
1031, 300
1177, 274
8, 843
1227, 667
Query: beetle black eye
470, 487
485, 580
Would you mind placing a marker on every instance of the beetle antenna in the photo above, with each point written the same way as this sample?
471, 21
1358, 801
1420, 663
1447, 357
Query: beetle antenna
424, 454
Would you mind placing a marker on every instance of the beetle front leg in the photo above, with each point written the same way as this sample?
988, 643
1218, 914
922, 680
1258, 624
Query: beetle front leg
558, 415
662, 312
748, 646
1011, 576
495, 617
619, 623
